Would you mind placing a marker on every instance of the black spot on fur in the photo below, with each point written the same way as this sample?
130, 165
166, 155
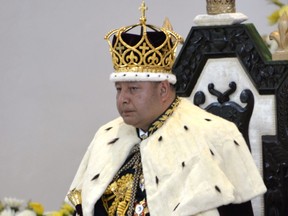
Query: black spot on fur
217, 188
183, 164
211, 152
95, 177
176, 206
185, 127
160, 138
236, 143
109, 128
157, 180
113, 141
208, 119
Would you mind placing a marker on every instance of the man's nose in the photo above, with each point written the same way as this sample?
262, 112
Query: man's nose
123, 97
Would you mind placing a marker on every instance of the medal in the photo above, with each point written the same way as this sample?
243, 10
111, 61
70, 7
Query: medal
139, 209
142, 183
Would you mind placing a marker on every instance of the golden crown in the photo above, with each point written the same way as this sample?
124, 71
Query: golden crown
146, 56
220, 6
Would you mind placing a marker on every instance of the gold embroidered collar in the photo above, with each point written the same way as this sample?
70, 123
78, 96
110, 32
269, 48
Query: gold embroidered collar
161, 119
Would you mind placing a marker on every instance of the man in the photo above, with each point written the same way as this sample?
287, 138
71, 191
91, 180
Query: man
163, 156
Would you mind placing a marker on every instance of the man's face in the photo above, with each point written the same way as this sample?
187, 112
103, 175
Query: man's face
139, 103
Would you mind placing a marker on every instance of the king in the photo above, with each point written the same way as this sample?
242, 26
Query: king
163, 156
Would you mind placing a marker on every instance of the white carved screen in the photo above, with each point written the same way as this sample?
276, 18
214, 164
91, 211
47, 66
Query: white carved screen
222, 71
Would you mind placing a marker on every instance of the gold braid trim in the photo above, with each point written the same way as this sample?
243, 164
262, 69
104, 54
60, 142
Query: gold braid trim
160, 121
121, 191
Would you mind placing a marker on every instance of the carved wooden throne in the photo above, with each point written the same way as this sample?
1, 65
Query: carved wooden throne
228, 71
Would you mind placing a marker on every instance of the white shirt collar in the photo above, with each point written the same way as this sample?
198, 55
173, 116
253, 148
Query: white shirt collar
142, 134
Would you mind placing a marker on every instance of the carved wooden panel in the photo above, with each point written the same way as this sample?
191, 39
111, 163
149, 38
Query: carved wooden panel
269, 78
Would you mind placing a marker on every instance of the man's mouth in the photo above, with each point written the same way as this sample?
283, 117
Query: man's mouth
127, 112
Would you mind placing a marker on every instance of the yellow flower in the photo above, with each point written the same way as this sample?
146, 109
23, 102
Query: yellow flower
36, 207
1, 206
54, 213
67, 207
64, 212
283, 10
275, 16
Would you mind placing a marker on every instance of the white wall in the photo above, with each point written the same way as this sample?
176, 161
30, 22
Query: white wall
54, 87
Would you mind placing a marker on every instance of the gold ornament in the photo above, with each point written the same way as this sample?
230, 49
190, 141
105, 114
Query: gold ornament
119, 192
220, 6
281, 37
74, 197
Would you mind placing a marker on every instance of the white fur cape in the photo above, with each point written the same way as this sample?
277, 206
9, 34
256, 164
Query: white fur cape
200, 162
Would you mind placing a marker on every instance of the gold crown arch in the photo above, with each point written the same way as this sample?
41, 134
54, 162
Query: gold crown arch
143, 60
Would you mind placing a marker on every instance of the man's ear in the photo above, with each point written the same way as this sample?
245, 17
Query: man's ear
164, 89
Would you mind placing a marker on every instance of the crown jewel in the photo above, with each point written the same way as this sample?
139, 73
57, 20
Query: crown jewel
148, 54
220, 6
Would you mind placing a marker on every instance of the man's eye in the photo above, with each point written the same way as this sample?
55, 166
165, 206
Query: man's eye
134, 88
